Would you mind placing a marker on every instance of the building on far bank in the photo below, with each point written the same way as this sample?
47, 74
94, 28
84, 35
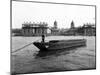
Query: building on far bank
89, 29
71, 30
34, 29
86, 30
37, 29
55, 30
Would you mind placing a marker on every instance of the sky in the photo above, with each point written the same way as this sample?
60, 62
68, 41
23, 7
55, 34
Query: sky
43, 12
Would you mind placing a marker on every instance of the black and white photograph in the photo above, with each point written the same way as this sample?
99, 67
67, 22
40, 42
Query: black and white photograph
52, 37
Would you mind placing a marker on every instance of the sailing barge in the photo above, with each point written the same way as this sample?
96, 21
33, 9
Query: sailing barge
59, 44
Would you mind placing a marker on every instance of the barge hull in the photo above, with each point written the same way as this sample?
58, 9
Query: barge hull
59, 45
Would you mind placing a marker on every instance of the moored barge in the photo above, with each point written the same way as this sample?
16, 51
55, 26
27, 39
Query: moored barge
60, 44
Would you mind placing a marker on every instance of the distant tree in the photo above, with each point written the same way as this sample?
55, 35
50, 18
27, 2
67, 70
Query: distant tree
16, 31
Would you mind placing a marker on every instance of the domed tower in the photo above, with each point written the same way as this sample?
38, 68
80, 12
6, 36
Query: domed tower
72, 25
55, 24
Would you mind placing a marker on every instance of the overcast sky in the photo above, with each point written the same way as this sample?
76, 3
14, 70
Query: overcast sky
43, 12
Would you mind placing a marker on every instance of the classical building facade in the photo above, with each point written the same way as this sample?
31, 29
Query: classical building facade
34, 29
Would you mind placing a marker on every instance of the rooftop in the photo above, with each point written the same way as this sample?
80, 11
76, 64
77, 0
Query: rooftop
40, 24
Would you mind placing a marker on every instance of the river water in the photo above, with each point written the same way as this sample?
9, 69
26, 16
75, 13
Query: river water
29, 60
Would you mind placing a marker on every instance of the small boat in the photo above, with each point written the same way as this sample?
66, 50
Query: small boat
60, 44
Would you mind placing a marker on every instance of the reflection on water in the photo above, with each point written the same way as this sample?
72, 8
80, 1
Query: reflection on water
56, 52
30, 59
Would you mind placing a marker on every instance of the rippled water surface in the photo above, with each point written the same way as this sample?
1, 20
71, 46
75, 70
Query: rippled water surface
29, 60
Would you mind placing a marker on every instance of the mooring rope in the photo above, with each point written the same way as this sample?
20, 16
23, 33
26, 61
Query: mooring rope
23, 47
